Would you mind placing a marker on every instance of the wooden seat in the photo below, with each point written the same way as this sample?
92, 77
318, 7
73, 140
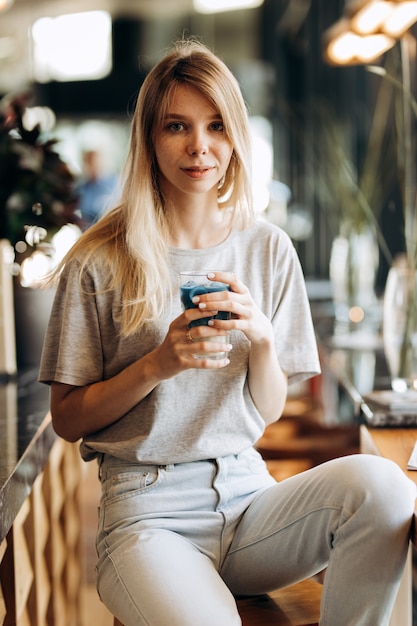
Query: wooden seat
298, 605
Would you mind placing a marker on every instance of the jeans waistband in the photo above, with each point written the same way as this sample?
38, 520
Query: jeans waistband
107, 461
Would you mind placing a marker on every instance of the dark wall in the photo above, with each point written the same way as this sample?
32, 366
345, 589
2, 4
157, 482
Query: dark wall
304, 82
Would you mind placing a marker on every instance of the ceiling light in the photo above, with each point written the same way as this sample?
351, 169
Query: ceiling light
217, 6
373, 46
371, 17
367, 30
403, 15
345, 47
340, 50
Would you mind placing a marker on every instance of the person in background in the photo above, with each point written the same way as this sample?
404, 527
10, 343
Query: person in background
189, 515
96, 190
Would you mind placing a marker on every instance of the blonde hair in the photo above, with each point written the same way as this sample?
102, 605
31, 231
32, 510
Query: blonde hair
132, 238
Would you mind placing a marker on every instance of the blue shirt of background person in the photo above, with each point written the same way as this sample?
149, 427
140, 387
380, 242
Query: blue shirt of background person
95, 190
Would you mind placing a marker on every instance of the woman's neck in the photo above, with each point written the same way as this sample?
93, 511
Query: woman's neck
198, 240
198, 227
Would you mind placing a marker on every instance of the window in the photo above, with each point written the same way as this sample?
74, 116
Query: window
72, 47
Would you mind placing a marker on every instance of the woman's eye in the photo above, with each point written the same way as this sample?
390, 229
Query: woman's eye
176, 126
217, 126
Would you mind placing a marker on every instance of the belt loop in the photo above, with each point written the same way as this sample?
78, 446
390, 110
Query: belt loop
100, 460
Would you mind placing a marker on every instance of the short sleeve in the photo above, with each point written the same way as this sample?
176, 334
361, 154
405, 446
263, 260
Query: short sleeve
72, 351
295, 338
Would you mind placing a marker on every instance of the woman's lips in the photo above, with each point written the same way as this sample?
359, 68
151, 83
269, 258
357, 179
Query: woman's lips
196, 172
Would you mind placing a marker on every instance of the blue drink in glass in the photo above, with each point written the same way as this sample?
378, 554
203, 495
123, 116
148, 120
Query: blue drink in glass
194, 284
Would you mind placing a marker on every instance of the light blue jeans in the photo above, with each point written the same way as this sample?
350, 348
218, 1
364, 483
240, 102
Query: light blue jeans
176, 543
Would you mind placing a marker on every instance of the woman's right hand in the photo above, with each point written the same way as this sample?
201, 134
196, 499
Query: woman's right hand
177, 352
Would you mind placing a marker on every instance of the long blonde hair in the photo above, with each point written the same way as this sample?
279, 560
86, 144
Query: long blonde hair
132, 238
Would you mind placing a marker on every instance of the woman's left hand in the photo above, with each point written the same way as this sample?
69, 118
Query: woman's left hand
245, 315
267, 381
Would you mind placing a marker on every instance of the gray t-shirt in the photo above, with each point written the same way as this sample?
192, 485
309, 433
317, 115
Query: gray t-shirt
198, 414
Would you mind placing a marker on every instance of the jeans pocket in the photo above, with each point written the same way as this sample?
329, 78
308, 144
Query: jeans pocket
122, 492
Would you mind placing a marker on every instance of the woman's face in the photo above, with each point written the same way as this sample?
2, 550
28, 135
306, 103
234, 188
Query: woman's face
192, 150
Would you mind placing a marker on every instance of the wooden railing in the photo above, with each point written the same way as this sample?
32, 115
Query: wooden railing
40, 559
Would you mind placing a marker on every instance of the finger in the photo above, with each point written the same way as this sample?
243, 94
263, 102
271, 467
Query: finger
230, 279
235, 306
188, 336
206, 333
197, 314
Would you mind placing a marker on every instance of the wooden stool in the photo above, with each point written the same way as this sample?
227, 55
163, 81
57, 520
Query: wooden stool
298, 605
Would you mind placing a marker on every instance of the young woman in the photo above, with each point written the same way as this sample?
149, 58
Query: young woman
189, 515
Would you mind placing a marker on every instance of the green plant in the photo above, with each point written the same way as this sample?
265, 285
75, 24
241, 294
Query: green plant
37, 187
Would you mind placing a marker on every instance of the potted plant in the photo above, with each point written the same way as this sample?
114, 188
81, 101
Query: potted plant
37, 188
37, 198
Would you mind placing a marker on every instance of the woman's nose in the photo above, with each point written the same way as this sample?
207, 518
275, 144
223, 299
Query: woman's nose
198, 144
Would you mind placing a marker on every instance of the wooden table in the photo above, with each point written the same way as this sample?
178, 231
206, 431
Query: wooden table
396, 444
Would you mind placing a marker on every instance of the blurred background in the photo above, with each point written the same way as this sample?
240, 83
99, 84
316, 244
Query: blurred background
335, 146
83, 61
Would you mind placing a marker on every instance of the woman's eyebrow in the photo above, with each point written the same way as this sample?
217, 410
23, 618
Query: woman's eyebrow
168, 116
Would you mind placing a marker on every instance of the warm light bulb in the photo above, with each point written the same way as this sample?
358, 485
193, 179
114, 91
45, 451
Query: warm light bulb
370, 19
400, 19
341, 49
372, 46
351, 48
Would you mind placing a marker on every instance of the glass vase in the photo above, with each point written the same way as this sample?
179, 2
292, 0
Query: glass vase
400, 327
353, 266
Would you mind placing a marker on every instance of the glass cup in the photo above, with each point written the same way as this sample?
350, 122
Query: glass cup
194, 283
